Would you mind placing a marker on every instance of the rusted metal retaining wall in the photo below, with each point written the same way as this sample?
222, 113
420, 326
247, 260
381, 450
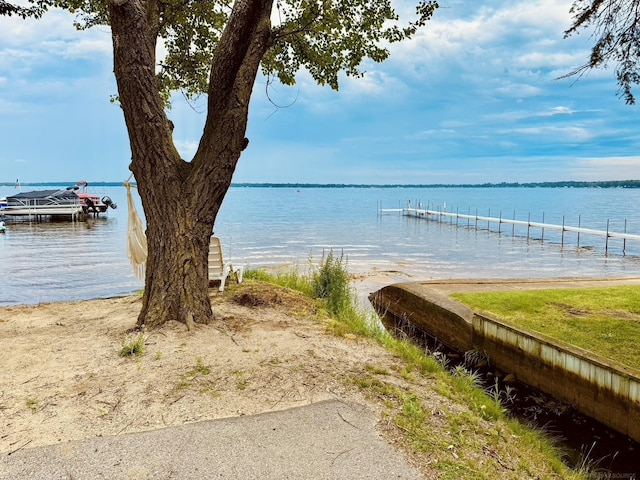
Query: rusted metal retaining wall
599, 388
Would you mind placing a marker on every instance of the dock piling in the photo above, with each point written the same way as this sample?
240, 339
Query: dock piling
440, 214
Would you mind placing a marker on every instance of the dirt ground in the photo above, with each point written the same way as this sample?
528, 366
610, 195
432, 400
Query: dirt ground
63, 377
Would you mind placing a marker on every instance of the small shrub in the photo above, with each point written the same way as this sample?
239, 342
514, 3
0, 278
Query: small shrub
331, 283
133, 347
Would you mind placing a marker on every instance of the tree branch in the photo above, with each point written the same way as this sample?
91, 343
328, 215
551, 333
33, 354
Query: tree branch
149, 129
242, 45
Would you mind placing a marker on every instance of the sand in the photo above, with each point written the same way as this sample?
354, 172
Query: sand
63, 377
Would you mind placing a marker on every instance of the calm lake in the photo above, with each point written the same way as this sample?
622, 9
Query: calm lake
268, 227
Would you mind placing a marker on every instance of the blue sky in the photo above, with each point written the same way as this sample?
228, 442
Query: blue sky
473, 98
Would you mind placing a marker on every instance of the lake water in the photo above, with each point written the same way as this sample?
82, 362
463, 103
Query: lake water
268, 227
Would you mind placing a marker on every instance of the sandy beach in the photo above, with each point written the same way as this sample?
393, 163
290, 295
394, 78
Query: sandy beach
63, 377
270, 349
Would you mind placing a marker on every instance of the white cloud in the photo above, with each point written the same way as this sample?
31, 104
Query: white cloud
495, 37
611, 162
605, 168
187, 148
51, 36
76, 49
519, 90
577, 134
548, 60
435, 133
561, 111
372, 83
518, 115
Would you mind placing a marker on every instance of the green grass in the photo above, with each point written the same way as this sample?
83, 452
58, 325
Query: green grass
198, 377
477, 435
605, 321
290, 279
133, 347
33, 404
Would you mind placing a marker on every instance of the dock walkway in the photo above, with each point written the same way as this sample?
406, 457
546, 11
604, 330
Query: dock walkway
473, 221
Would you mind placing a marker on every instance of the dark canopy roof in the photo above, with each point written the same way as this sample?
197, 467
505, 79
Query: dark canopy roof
70, 194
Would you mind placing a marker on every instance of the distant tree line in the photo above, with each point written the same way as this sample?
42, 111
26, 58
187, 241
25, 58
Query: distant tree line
566, 184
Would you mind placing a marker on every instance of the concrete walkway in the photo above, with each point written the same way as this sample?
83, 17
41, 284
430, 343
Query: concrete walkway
447, 287
325, 440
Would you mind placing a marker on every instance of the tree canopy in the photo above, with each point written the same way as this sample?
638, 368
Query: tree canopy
325, 37
9, 9
616, 29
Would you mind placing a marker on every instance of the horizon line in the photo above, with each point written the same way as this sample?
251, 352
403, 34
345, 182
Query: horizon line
630, 183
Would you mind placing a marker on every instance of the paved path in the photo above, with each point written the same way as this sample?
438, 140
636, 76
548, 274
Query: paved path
325, 440
447, 287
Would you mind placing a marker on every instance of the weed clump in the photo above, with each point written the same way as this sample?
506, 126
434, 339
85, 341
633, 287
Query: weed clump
331, 283
133, 347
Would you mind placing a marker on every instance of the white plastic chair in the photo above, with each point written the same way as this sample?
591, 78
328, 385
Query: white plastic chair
218, 269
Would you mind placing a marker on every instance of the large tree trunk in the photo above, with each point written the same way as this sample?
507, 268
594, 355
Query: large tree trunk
181, 199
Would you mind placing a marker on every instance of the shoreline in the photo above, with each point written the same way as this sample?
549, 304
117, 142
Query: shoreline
268, 350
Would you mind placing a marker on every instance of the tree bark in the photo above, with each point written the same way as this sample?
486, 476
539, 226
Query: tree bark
181, 199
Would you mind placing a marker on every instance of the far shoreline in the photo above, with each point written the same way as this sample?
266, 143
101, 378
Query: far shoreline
630, 183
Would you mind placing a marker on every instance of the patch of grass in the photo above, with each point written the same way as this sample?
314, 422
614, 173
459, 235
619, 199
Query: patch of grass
454, 471
290, 279
201, 368
605, 321
133, 346
241, 380
196, 377
376, 370
369, 382
33, 404
412, 418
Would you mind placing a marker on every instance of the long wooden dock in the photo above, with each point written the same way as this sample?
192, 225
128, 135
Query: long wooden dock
473, 221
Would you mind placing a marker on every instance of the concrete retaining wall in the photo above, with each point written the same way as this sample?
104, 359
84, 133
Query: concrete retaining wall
602, 389
599, 388
447, 320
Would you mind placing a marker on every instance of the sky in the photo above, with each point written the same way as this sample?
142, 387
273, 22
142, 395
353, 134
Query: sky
474, 97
